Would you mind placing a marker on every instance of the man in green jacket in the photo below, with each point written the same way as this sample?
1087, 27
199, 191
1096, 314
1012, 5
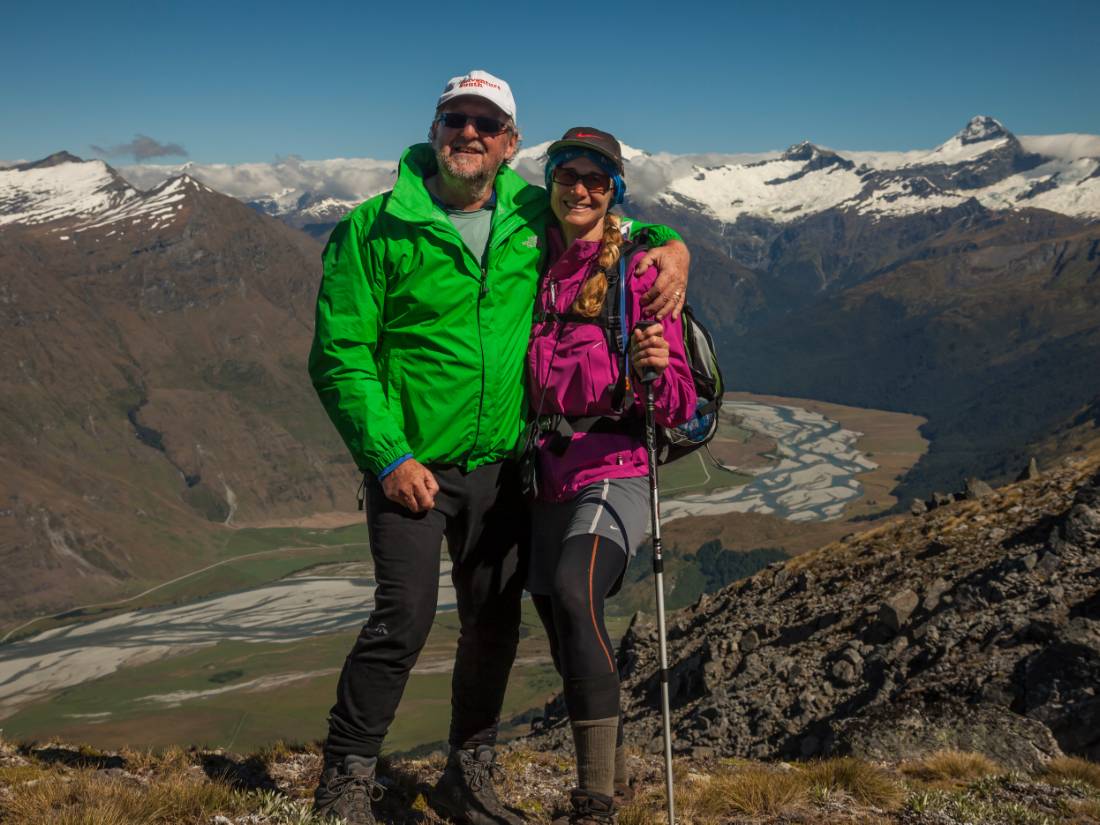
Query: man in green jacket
423, 318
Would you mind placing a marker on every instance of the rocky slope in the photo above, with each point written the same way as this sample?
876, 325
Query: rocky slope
975, 626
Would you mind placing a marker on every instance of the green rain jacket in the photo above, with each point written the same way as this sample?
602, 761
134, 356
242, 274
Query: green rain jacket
418, 347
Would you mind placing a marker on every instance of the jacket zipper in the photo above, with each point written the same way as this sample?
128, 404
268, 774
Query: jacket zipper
482, 292
502, 233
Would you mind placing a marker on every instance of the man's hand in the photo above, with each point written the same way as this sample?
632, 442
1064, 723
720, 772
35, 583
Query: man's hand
411, 485
668, 293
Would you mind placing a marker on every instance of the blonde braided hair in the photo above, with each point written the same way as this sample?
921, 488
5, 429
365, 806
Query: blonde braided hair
590, 300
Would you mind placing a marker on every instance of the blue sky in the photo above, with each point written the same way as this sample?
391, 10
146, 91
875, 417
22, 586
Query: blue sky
233, 82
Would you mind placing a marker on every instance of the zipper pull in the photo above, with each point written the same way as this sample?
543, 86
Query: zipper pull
484, 283
553, 296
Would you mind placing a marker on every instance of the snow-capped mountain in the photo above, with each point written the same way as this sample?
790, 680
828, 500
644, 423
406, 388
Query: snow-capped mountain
70, 194
984, 162
303, 193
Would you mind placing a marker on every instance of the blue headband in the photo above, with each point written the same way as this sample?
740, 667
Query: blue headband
574, 152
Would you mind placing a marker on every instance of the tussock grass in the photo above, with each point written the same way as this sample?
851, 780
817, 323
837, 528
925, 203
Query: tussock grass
862, 781
1089, 808
755, 791
87, 798
147, 760
703, 799
1073, 769
278, 751
951, 766
16, 774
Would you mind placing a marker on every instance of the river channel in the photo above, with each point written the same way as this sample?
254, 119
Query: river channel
812, 477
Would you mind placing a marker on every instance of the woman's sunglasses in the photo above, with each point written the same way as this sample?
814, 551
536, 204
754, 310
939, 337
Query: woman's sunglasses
484, 125
594, 182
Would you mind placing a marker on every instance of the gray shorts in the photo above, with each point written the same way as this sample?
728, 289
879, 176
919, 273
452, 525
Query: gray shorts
617, 509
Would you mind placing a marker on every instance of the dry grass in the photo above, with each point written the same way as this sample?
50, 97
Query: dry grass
86, 797
1090, 809
1073, 769
753, 791
862, 781
173, 787
951, 766
712, 799
147, 760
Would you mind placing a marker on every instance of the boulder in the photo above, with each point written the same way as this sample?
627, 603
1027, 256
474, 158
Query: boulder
895, 611
910, 731
976, 488
1080, 528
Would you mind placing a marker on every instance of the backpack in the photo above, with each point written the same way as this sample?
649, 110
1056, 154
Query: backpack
702, 359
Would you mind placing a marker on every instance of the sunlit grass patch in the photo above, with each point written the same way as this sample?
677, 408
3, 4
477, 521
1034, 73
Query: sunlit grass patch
86, 796
860, 780
1087, 808
17, 774
964, 806
951, 766
148, 760
756, 791
1073, 769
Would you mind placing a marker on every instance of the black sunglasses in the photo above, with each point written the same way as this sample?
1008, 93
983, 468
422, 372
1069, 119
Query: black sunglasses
484, 125
595, 182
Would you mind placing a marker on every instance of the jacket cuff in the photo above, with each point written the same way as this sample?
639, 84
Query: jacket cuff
393, 465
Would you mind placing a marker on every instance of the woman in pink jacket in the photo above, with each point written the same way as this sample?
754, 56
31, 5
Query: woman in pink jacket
593, 504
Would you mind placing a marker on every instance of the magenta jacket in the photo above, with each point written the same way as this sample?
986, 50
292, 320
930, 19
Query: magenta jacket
579, 379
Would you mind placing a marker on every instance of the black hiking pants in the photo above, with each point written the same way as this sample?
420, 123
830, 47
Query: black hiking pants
484, 519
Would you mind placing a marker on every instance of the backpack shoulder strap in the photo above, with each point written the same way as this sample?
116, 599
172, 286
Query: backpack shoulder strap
618, 325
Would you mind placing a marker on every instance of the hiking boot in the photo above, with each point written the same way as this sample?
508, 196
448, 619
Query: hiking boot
465, 792
589, 808
346, 791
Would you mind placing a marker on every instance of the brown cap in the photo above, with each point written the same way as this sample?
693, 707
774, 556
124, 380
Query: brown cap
587, 137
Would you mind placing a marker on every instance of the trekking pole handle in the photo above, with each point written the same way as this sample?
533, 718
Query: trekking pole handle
650, 374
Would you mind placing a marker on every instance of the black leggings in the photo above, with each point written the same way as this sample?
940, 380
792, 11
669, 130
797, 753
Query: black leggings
573, 615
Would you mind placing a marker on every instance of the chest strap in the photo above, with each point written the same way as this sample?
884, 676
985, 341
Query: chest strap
560, 428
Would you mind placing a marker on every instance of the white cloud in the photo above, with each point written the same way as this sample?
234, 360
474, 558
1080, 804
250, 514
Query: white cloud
284, 181
1069, 146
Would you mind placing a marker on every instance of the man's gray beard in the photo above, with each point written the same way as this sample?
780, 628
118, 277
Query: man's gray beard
477, 182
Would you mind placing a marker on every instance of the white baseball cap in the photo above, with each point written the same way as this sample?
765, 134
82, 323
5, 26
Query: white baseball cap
478, 83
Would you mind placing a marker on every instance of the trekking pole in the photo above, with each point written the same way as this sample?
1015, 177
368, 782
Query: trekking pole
648, 377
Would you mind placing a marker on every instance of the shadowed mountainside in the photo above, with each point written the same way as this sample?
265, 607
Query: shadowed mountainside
152, 360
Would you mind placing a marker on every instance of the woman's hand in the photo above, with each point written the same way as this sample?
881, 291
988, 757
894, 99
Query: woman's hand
649, 350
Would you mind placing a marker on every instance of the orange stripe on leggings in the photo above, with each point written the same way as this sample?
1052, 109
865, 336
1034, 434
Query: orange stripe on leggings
592, 603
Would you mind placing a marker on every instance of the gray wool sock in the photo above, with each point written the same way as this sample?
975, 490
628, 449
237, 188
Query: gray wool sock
622, 773
594, 740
